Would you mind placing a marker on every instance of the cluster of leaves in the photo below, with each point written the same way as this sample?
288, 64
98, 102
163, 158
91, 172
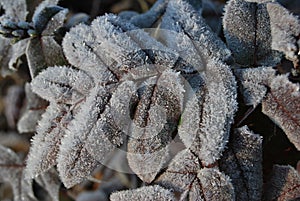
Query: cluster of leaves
132, 82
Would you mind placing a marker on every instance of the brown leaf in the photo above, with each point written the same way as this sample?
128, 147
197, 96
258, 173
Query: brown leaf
282, 105
284, 184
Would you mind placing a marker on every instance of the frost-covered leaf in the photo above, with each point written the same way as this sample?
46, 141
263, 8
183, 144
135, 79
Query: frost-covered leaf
146, 193
13, 11
62, 84
43, 52
35, 107
147, 20
253, 83
50, 181
283, 184
181, 172
282, 106
285, 29
114, 47
214, 185
17, 50
45, 144
184, 30
75, 162
184, 175
242, 162
155, 120
55, 22
11, 171
248, 33
205, 122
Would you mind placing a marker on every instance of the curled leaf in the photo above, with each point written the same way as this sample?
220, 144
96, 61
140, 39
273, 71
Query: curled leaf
282, 106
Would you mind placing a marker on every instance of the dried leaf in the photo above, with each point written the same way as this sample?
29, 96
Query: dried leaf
206, 120
282, 106
155, 120
285, 29
283, 184
35, 107
62, 84
254, 82
242, 162
146, 193
11, 171
45, 144
252, 46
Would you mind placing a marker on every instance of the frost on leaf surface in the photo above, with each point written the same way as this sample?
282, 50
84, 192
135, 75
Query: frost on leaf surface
285, 29
283, 184
254, 82
154, 122
184, 30
62, 84
242, 162
45, 144
282, 106
11, 171
146, 193
205, 122
35, 107
185, 175
252, 46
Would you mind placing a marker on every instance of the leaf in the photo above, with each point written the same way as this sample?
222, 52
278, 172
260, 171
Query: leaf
39, 9
50, 181
283, 184
252, 46
14, 10
62, 84
254, 82
11, 171
146, 20
184, 30
75, 162
146, 193
181, 172
185, 175
45, 144
155, 120
35, 107
17, 50
282, 106
285, 29
242, 162
43, 52
206, 120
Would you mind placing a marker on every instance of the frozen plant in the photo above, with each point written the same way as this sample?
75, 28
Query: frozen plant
134, 83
